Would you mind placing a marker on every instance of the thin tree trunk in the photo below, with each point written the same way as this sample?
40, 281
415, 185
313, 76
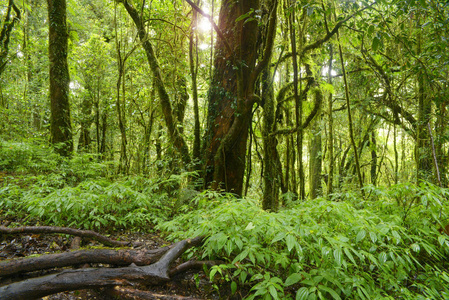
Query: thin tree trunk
351, 131
298, 103
330, 179
270, 199
60, 123
164, 98
315, 157
373, 146
193, 60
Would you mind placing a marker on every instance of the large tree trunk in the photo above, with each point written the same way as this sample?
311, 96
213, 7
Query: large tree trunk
60, 124
231, 94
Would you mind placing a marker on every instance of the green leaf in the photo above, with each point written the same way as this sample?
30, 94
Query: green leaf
290, 240
233, 287
361, 235
337, 256
278, 237
441, 239
382, 257
375, 43
292, 279
273, 292
349, 255
373, 236
302, 294
415, 247
250, 226
330, 291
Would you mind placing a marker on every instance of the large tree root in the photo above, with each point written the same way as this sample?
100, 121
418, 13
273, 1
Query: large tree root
65, 230
155, 273
140, 257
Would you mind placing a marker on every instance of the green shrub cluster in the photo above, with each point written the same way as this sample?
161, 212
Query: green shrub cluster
93, 204
29, 157
325, 249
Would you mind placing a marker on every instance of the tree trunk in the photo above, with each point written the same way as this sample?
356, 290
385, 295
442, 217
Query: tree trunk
167, 111
271, 176
86, 121
315, 158
231, 94
60, 124
373, 146
7, 27
193, 63
330, 178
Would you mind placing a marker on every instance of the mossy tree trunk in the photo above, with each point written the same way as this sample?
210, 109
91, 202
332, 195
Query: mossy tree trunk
315, 157
60, 124
271, 175
231, 94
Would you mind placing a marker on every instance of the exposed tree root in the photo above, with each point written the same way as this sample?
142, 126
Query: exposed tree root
65, 230
149, 267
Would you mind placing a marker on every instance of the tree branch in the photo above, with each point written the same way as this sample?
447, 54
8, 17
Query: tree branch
64, 230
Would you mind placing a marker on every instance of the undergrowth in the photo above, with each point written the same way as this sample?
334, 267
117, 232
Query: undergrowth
324, 249
385, 246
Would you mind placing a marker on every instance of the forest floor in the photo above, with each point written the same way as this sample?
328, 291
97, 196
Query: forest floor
191, 284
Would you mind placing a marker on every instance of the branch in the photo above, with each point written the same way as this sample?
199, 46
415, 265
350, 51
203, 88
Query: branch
268, 51
211, 20
306, 123
64, 230
193, 264
140, 257
328, 36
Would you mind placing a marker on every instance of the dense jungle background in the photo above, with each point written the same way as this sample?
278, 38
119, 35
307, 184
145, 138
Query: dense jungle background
300, 148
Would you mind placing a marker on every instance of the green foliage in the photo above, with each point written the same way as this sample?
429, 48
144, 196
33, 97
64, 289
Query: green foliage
325, 249
97, 204
16, 156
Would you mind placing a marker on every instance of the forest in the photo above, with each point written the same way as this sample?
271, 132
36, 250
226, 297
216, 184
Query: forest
232, 149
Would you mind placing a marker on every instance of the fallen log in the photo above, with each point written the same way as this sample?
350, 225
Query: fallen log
65, 230
70, 280
139, 257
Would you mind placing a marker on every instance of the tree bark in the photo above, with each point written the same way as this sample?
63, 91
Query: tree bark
193, 63
271, 176
5, 33
315, 158
231, 94
60, 123
104, 256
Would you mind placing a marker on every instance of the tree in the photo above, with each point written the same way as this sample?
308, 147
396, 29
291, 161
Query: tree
232, 92
61, 128
175, 136
8, 25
